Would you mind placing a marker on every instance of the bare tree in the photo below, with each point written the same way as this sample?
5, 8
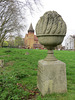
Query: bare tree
12, 15
19, 42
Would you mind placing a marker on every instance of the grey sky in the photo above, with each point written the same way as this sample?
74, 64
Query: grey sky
66, 8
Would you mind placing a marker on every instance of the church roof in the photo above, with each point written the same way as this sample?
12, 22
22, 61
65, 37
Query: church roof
35, 38
31, 28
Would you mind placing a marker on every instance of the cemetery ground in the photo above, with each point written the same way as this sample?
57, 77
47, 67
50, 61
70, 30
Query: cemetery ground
18, 77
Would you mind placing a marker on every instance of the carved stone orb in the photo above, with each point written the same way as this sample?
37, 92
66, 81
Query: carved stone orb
50, 29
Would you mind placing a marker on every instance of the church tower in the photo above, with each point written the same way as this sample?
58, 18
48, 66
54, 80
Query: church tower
31, 30
31, 41
30, 37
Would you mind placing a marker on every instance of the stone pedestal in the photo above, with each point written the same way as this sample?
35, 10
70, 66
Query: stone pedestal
51, 77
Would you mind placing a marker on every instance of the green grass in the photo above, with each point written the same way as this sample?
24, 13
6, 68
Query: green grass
18, 77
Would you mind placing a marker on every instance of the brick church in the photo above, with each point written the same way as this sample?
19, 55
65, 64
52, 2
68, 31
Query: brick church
31, 41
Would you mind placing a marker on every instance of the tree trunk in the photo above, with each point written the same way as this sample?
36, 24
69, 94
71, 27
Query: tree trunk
1, 44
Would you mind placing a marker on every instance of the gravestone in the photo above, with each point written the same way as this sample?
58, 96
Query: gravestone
1, 62
50, 31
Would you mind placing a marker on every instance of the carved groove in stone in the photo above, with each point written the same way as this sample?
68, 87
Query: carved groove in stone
51, 23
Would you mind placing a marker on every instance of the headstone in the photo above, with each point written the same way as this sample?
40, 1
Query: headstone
1, 62
50, 31
27, 53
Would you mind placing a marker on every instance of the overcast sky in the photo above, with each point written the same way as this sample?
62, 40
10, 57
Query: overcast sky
66, 8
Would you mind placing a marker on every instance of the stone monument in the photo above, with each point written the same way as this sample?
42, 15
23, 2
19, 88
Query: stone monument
50, 30
1, 62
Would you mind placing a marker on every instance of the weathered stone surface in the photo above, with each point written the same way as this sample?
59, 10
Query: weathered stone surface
51, 23
50, 31
51, 77
1, 62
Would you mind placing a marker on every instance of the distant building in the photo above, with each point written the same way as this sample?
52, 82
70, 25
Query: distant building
60, 47
31, 41
70, 43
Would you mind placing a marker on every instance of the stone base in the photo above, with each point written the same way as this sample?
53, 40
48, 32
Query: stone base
51, 77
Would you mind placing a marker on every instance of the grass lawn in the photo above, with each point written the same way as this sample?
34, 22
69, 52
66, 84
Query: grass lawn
18, 77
